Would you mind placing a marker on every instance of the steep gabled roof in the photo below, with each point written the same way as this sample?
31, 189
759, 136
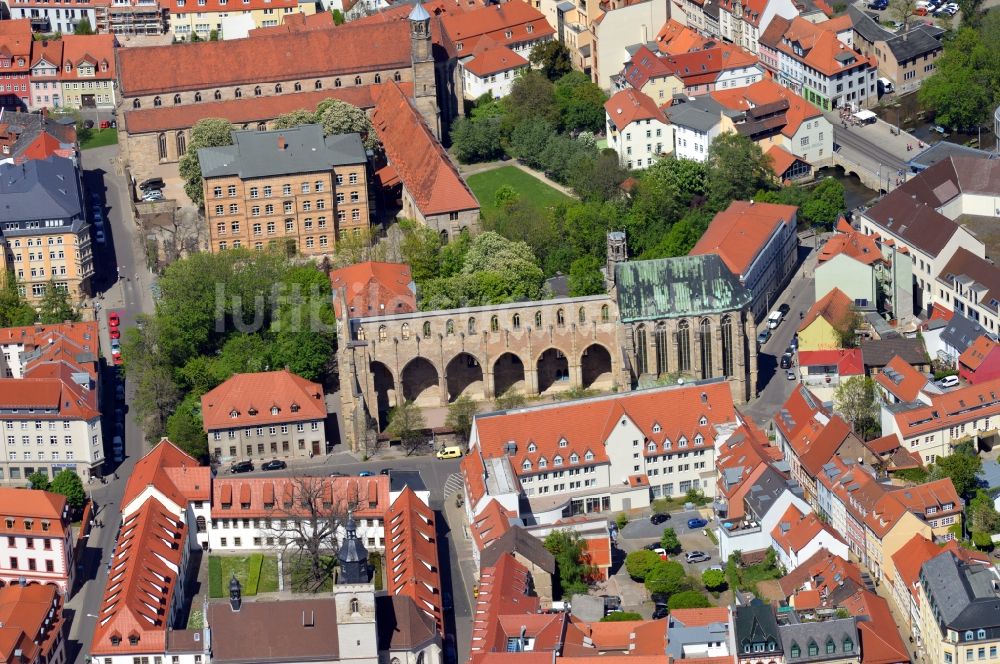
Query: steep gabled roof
977, 352
631, 105
262, 398
422, 164
412, 555
375, 289
901, 380
172, 472
740, 233
862, 248
880, 639
834, 307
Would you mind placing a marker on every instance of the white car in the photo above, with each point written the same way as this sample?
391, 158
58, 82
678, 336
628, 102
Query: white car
948, 381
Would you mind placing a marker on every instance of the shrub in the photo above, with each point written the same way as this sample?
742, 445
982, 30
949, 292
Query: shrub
669, 540
621, 520
713, 579
215, 577
253, 573
621, 616
667, 576
640, 563
688, 599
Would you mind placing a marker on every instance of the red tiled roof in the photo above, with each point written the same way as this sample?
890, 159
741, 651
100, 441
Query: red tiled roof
822, 571
597, 552
700, 617
36, 506
247, 110
663, 415
880, 639
520, 20
835, 307
936, 495
674, 38
375, 289
854, 244
424, 167
643, 66
254, 497
297, 22
946, 410
491, 524
493, 59
96, 50
258, 399
766, 92
977, 351
694, 66
172, 472
938, 312
781, 159
412, 555
141, 582
265, 59
16, 40
884, 445
740, 232
821, 46
849, 361
630, 105
502, 591
44, 146
795, 530
806, 600
30, 622
910, 382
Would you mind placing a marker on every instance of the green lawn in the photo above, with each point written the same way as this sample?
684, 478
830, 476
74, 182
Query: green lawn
532, 190
222, 568
99, 138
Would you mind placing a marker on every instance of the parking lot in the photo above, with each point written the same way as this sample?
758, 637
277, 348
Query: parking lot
945, 10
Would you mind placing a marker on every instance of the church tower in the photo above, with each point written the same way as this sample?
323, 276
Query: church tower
354, 595
424, 81
617, 253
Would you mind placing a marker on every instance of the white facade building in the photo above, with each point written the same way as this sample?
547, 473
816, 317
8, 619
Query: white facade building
637, 130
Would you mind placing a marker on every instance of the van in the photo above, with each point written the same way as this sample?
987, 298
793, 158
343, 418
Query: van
887, 86
453, 452
775, 319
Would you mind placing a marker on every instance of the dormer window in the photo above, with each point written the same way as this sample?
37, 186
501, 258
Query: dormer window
532, 447
116, 640
526, 465
651, 447
657, 428
699, 439
703, 421
233, 414
295, 407
133, 639
682, 442
28, 524
968, 635
667, 444
274, 410
574, 458
542, 463
252, 412
589, 456
563, 442
69, 67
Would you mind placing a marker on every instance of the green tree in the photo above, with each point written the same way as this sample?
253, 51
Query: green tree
666, 577
640, 563
213, 35
580, 103
295, 118
67, 483
476, 141
714, 579
660, 506
567, 548
339, 117
461, 413
552, 58
562, 156
855, 400
185, 428
961, 469
982, 515
338, 17
83, 27
737, 168
38, 480
902, 11
962, 91
825, 204
532, 97
406, 423
14, 310
688, 599
621, 616
529, 140
598, 179
56, 307
206, 133
585, 277
682, 236
669, 541
621, 520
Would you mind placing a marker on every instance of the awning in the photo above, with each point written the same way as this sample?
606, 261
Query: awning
865, 116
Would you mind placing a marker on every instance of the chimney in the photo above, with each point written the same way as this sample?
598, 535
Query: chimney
282, 143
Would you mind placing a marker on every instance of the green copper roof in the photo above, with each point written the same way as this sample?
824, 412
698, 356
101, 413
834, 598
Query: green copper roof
677, 287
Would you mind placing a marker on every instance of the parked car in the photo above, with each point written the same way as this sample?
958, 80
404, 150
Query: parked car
786, 361
120, 392
661, 611
784, 309
612, 603
452, 452
657, 519
696, 556
661, 552
115, 333
153, 195
764, 335
697, 523
366, 473
113, 319
241, 467
274, 464
384, 471
151, 183
790, 375
948, 381
338, 474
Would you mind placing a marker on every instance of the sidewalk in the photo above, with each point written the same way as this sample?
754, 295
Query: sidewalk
465, 581
881, 133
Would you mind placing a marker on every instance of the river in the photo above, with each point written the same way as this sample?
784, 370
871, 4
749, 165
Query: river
855, 193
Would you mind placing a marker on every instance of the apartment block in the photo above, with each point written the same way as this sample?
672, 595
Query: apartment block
36, 539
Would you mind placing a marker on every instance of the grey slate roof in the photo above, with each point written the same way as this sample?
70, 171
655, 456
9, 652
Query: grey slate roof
962, 331
40, 189
766, 490
256, 154
920, 40
677, 287
943, 150
755, 623
700, 114
839, 632
962, 593
519, 541
878, 353
27, 127
865, 26
680, 635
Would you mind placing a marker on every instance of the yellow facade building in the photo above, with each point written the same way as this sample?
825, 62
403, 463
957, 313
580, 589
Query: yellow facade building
201, 17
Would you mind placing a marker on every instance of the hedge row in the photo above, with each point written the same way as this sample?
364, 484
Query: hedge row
253, 574
214, 577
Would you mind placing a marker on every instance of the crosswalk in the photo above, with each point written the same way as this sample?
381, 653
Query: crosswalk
453, 484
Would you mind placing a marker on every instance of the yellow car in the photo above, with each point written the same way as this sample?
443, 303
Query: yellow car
449, 452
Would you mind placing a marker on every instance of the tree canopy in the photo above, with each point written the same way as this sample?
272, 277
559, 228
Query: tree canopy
961, 469
965, 87
688, 599
67, 483
336, 117
855, 399
567, 548
56, 307
552, 58
640, 563
206, 133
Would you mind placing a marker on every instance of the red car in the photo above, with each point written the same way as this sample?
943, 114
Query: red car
117, 358
116, 333
113, 319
